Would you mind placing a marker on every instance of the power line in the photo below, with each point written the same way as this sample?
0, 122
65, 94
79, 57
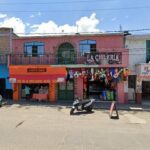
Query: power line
75, 10
53, 2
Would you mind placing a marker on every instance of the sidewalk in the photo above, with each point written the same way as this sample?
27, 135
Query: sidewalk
128, 107
97, 105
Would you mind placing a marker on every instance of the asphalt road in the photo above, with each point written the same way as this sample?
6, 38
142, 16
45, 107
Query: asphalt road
52, 128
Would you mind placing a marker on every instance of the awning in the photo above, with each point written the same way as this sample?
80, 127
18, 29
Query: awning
36, 74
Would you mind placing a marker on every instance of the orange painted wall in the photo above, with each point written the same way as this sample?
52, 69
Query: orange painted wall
52, 91
16, 92
22, 70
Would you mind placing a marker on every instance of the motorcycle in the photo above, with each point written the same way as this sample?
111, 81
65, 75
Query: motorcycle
79, 105
1, 98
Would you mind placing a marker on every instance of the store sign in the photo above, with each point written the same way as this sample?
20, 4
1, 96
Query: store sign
36, 69
33, 81
145, 69
103, 58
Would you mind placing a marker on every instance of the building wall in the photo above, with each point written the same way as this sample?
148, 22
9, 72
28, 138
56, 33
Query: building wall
51, 43
137, 50
104, 43
6, 40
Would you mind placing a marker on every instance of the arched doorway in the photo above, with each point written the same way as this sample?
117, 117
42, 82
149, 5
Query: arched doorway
66, 54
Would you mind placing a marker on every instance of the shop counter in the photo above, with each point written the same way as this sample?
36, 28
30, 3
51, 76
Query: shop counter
40, 97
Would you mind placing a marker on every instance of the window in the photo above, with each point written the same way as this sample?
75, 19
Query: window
34, 49
147, 51
66, 54
87, 46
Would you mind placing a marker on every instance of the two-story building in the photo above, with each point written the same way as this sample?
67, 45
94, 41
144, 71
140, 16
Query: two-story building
65, 66
139, 64
6, 35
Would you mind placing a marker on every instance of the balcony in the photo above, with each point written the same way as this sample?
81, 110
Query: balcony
103, 59
3, 59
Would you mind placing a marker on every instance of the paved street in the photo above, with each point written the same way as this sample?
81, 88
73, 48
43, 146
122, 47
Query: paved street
24, 127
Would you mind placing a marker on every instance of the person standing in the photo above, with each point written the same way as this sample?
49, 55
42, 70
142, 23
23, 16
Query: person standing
27, 92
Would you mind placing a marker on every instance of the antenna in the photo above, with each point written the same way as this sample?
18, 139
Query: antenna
120, 27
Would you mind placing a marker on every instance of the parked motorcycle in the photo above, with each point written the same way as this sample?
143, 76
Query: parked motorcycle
1, 98
81, 105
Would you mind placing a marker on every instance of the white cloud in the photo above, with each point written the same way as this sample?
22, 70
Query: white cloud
15, 23
3, 15
84, 24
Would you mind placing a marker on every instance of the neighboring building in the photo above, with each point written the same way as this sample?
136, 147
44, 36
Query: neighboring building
139, 64
65, 66
6, 35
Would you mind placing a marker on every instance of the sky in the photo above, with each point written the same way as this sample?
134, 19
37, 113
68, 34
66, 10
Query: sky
72, 16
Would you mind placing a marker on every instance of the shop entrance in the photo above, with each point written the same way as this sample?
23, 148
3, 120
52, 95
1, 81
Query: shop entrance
101, 90
66, 91
37, 92
2, 87
146, 90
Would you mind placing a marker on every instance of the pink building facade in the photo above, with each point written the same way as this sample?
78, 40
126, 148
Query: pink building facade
96, 64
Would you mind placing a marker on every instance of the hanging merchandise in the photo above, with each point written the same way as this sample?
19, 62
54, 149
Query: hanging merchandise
112, 72
83, 73
125, 72
117, 73
71, 74
96, 75
102, 75
109, 77
76, 74
92, 74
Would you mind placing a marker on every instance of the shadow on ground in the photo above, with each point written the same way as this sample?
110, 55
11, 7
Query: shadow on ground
81, 113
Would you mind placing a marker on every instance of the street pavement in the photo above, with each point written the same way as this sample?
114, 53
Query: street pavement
50, 127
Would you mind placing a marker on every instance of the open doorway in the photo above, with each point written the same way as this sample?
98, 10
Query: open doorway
2, 87
34, 92
146, 90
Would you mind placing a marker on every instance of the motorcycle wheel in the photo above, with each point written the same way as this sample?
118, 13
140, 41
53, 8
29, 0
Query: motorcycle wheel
89, 109
71, 111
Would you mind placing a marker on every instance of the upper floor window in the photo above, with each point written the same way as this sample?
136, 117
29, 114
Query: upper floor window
87, 46
34, 49
148, 51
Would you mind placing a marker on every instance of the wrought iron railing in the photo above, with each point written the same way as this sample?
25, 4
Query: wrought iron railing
3, 59
71, 58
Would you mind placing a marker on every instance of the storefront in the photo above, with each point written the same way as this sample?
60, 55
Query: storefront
104, 84
36, 82
143, 82
5, 86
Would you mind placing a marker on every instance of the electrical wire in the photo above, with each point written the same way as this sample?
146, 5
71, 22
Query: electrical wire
83, 10
53, 2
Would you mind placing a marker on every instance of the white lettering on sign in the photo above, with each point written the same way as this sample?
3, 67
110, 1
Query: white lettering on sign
100, 58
